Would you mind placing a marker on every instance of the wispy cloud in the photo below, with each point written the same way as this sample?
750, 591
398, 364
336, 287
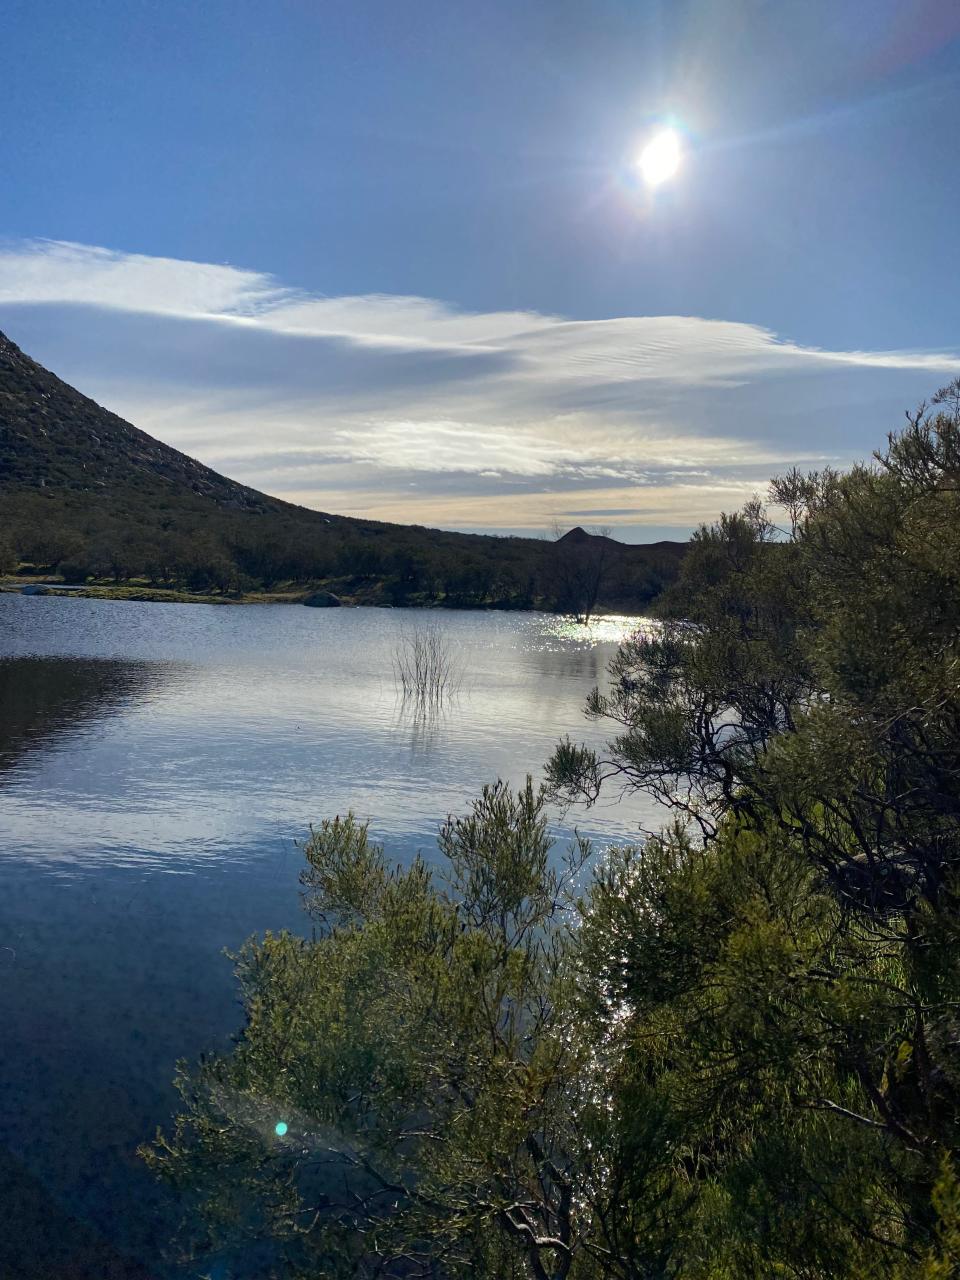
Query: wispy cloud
406, 408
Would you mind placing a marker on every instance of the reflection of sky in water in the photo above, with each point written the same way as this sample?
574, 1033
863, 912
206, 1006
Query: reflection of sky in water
242, 724
138, 740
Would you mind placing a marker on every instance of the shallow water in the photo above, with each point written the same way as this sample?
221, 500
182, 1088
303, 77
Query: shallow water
157, 763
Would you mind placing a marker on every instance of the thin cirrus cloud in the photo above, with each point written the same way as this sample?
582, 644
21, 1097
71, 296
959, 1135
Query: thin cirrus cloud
406, 408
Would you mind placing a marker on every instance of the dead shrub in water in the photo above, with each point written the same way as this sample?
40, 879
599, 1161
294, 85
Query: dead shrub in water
426, 668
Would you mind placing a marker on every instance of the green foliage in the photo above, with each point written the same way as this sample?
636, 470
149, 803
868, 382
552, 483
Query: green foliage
942, 1260
804, 691
815, 676
749, 1019
736, 1055
681, 1074
420, 1050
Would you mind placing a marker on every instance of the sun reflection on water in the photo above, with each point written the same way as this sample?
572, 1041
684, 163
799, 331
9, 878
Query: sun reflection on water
611, 628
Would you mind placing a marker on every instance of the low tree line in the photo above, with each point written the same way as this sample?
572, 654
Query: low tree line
242, 552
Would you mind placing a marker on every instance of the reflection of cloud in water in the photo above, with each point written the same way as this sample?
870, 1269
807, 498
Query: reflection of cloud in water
226, 731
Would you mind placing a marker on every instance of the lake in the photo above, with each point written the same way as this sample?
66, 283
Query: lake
157, 765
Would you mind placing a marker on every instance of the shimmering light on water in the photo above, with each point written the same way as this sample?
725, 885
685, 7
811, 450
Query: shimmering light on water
608, 629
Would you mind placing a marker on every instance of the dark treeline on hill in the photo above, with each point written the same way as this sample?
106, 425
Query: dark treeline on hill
731, 1052
88, 496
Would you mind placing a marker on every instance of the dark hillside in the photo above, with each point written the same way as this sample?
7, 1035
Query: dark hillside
85, 494
50, 434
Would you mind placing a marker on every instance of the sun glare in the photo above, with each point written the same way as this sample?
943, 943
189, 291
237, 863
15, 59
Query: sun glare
660, 158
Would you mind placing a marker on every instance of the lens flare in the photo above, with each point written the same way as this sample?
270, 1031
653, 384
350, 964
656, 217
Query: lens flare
660, 158
280, 1128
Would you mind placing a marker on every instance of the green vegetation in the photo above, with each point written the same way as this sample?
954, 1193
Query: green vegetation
86, 496
734, 1051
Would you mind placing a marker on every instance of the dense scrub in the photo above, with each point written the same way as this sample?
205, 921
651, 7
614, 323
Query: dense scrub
733, 1050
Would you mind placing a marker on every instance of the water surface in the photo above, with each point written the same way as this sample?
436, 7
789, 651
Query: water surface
157, 764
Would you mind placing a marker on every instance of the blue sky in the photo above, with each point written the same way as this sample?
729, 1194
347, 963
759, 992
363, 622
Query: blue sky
394, 259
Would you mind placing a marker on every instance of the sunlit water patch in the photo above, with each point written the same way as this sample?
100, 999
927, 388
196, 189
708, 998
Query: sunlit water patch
607, 629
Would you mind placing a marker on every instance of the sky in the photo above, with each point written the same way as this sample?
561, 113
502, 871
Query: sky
398, 261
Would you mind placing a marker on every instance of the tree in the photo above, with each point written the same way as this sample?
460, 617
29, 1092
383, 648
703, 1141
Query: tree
9, 560
47, 544
739, 1007
814, 676
577, 568
423, 1052
699, 699
806, 685
481, 1077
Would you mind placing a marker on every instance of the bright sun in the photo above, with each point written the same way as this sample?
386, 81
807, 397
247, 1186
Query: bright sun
660, 158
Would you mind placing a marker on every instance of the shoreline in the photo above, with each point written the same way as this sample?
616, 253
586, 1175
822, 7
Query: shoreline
161, 595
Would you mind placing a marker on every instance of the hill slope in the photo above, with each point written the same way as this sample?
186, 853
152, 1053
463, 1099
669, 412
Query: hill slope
86, 492
50, 434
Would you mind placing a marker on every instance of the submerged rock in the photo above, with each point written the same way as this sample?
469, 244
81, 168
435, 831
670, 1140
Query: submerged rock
322, 600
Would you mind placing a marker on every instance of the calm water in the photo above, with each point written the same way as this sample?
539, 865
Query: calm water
157, 763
